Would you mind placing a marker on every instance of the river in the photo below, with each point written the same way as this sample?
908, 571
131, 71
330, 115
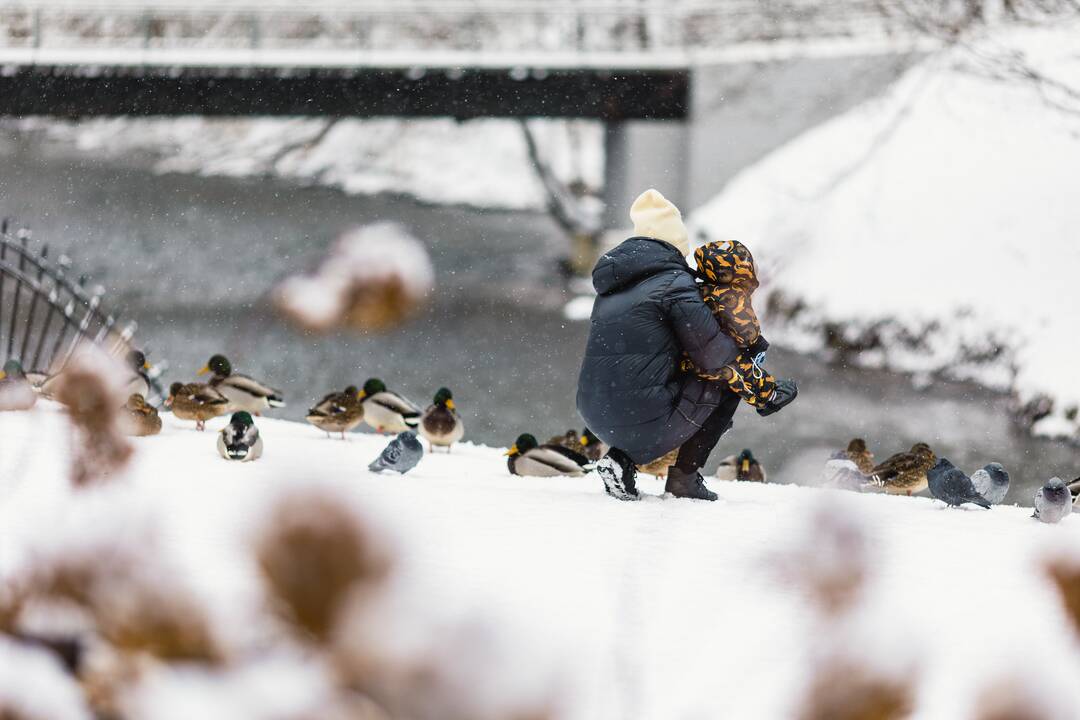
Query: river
192, 259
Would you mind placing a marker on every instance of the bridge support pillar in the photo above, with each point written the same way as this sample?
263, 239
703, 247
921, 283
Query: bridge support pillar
639, 155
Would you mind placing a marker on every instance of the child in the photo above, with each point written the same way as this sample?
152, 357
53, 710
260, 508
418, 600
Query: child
728, 279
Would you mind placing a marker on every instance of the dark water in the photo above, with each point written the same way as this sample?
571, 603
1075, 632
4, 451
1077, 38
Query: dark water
192, 259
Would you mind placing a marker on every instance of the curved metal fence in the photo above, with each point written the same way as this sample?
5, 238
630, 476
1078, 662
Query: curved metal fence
46, 311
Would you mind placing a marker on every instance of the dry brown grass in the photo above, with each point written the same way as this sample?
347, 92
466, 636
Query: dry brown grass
845, 690
315, 555
1064, 574
100, 446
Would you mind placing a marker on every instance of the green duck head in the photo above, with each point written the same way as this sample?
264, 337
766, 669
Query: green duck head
371, 387
588, 437
137, 361
522, 445
444, 398
242, 418
12, 369
219, 365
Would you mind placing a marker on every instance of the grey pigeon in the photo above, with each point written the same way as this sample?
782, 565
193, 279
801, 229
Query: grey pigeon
1052, 501
401, 455
239, 440
992, 482
949, 484
842, 473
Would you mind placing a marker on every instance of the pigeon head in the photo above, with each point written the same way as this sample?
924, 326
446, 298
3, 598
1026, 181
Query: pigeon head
12, 369
373, 386
444, 398
523, 444
997, 473
1055, 487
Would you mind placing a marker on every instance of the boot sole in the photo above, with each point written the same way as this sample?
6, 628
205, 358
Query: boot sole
612, 475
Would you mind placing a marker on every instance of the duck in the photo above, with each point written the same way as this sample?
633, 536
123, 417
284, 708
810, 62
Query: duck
141, 419
440, 423
659, 467
239, 441
387, 411
139, 382
16, 392
338, 412
904, 473
196, 401
568, 439
860, 455
743, 467
243, 392
591, 446
526, 457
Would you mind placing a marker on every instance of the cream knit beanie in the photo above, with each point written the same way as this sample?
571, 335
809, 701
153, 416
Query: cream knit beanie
655, 217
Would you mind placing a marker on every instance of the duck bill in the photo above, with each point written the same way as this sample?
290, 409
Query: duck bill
2, 374
449, 404
746, 466
361, 395
584, 441
146, 365
203, 370
511, 452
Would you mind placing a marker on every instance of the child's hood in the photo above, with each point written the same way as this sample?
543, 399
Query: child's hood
726, 262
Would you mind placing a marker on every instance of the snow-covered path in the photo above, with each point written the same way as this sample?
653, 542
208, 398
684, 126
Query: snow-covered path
659, 609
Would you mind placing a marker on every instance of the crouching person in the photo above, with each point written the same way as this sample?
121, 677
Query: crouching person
632, 391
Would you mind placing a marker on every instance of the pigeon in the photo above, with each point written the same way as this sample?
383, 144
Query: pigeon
842, 473
239, 440
992, 482
949, 484
858, 454
1052, 501
401, 455
743, 467
904, 473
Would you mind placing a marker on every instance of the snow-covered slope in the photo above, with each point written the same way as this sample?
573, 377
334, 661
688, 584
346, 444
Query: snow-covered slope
939, 222
546, 588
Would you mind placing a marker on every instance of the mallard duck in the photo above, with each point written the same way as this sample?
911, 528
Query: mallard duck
527, 457
196, 401
16, 393
591, 446
243, 392
140, 418
659, 467
743, 467
139, 382
387, 411
904, 473
338, 412
440, 424
240, 440
860, 455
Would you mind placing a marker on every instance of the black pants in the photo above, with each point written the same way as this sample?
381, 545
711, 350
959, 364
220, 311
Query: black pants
694, 453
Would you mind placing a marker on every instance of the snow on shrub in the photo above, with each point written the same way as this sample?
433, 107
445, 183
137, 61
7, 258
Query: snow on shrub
373, 279
33, 686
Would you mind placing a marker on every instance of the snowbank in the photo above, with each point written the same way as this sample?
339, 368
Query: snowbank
481, 163
933, 230
546, 591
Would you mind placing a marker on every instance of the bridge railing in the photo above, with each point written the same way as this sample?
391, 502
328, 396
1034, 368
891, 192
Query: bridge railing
480, 25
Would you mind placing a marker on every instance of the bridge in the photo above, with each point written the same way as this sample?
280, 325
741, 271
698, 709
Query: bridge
664, 75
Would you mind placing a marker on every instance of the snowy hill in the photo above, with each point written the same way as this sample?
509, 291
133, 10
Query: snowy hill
933, 230
545, 593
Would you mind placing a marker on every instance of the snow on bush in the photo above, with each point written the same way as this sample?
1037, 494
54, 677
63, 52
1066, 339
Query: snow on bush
33, 686
932, 230
372, 279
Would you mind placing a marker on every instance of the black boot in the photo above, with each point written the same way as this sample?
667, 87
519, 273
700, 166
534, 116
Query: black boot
619, 474
687, 485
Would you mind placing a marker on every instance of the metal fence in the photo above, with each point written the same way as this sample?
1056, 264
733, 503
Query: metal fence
46, 311
482, 25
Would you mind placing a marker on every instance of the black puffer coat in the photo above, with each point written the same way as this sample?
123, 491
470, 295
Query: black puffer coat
631, 392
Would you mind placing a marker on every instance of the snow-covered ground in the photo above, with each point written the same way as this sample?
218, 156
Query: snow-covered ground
939, 222
544, 593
